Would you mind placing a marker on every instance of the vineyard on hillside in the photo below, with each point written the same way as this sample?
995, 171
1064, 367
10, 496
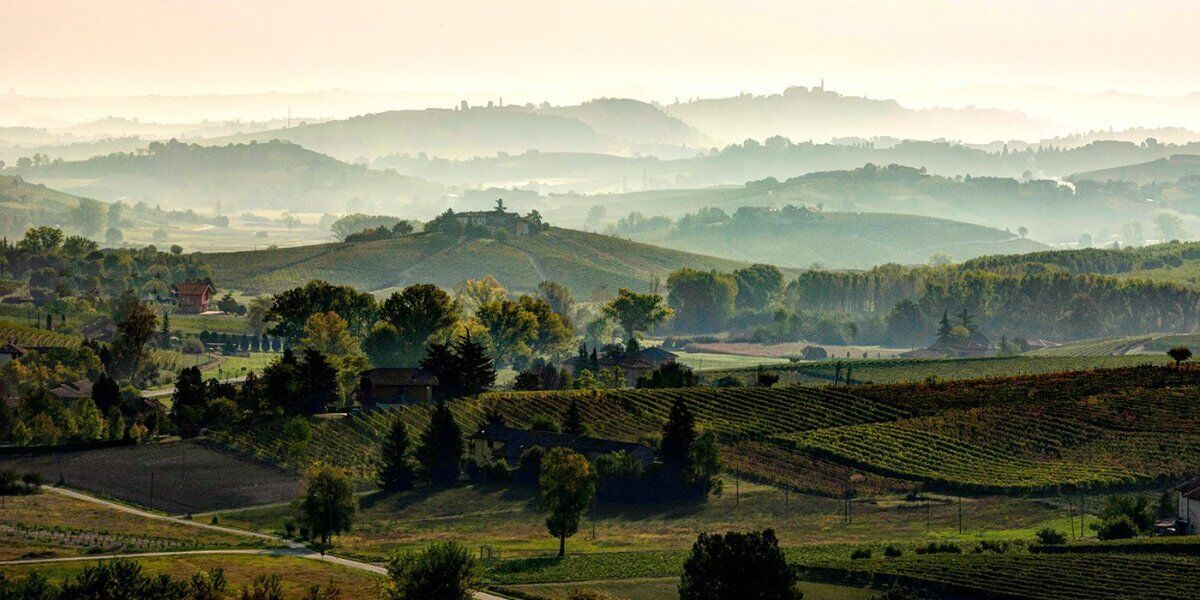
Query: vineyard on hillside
23, 335
1064, 431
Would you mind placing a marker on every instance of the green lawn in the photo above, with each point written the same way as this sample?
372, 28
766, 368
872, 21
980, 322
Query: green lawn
708, 361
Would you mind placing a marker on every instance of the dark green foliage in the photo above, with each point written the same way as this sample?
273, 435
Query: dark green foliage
318, 383
190, 398
702, 300
106, 393
327, 505
441, 451
527, 381
464, 368
397, 471
445, 571
738, 565
281, 382
1179, 354
893, 551
1119, 528
757, 286
122, 580
669, 375
290, 310
939, 548
1050, 537
543, 423
860, 554
417, 313
1134, 506
573, 420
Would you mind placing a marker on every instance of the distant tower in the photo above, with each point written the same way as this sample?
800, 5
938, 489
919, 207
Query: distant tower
501, 101
463, 105
822, 89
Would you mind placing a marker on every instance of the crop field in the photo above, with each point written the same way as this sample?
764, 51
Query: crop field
24, 335
177, 478
666, 588
901, 370
50, 524
1082, 576
298, 573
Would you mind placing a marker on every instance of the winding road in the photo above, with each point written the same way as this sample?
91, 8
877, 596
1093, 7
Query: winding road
291, 547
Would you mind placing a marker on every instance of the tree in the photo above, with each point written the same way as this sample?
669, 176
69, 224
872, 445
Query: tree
669, 375
135, 322
396, 472
568, 488
738, 565
554, 334
89, 216
113, 236
678, 436
1179, 354
511, 328
417, 313
691, 461
256, 314
477, 371
573, 420
636, 313
444, 571
281, 382
757, 286
329, 334
1170, 226
441, 451
558, 296
327, 504
189, 399
88, 421
106, 393
474, 293
702, 300
41, 240
318, 383
291, 310
905, 324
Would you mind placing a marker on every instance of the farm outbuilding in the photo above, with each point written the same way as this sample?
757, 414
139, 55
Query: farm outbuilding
384, 386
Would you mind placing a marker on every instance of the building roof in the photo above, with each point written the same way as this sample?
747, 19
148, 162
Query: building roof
193, 288
517, 441
655, 354
399, 376
1190, 488
73, 390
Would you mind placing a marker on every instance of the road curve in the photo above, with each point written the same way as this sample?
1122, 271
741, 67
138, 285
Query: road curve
292, 547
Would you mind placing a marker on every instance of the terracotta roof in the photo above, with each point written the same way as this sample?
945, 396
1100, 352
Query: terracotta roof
399, 376
192, 288
517, 441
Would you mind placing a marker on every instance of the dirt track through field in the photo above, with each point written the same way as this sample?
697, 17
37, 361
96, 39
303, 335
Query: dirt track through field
292, 548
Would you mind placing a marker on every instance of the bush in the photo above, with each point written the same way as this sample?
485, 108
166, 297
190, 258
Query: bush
860, 553
1051, 537
444, 570
730, 565
1119, 528
893, 551
939, 548
990, 547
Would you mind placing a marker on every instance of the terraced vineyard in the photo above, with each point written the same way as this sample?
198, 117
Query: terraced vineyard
1081, 576
23, 335
1120, 346
1081, 430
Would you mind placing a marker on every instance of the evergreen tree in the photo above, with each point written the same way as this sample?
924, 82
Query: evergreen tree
318, 382
475, 365
281, 382
250, 397
397, 472
573, 420
441, 450
106, 393
440, 362
944, 328
678, 436
164, 339
191, 396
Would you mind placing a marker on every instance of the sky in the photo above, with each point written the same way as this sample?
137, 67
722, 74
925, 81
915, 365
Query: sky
566, 50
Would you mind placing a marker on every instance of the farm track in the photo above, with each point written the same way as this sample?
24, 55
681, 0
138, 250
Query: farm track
292, 548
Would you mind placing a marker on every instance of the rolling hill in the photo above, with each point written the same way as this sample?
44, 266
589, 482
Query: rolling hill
274, 175
1164, 170
836, 240
585, 262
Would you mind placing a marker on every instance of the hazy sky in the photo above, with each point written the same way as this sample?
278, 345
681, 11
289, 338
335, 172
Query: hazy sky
570, 49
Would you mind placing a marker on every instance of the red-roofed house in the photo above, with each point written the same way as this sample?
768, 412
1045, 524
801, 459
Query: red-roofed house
193, 296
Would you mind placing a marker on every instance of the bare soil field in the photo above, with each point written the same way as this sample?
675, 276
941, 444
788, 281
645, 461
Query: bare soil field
177, 478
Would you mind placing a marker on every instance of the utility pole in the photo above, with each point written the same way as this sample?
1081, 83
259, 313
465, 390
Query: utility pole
960, 515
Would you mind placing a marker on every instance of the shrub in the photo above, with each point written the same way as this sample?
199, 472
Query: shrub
990, 547
893, 551
730, 565
1119, 528
1051, 537
860, 553
939, 548
444, 570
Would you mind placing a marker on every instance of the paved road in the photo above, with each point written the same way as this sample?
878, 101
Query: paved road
292, 548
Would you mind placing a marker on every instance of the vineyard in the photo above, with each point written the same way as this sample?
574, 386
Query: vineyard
1063, 431
23, 335
1091, 576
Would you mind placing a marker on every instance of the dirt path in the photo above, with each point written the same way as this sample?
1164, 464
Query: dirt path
293, 548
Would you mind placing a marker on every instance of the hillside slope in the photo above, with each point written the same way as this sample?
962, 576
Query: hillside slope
1164, 170
838, 240
272, 175
582, 261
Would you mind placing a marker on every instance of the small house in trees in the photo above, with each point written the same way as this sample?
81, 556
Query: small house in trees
497, 442
389, 386
193, 297
73, 390
10, 351
1187, 500
498, 220
645, 361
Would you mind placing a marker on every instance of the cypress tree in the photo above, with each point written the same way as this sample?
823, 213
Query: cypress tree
440, 362
106, 393
318, 382
475, 365
573, 421
397, 472
678, 436
441, 450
